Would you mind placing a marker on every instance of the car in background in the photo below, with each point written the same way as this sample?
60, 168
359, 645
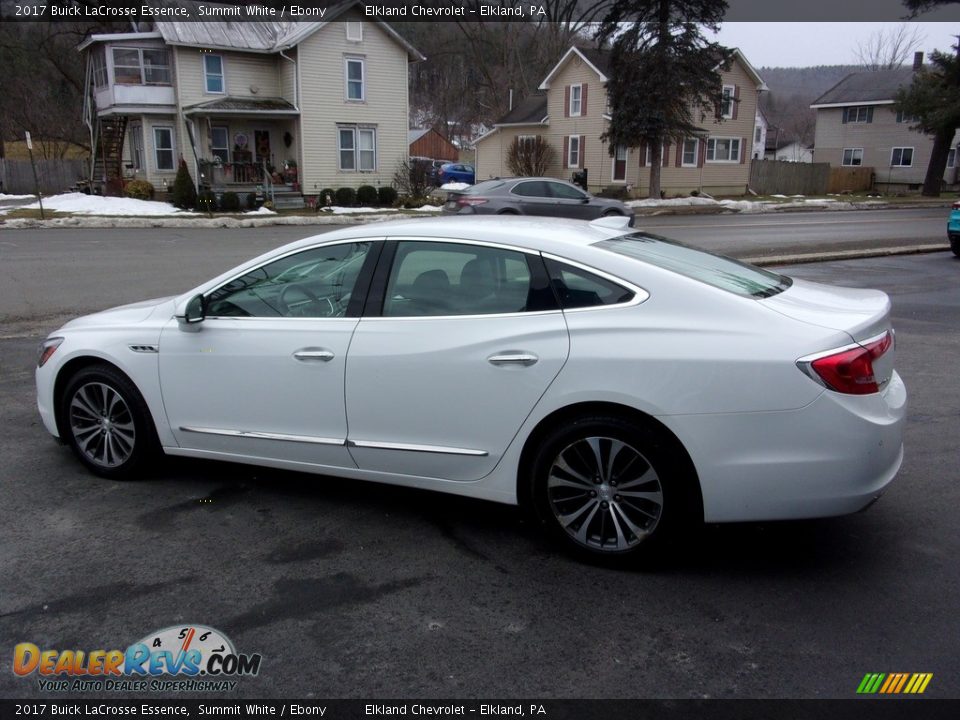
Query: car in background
953, 229
532, 196
456, 172
620, 387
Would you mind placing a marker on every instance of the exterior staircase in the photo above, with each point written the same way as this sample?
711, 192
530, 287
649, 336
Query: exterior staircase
286, 199
108, 162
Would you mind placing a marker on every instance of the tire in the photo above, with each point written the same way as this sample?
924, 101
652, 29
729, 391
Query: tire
106, 421
508, 212
612, 213
602, 522
955, 244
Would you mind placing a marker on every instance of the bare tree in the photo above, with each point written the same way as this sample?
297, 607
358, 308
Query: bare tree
530, 156
889, 48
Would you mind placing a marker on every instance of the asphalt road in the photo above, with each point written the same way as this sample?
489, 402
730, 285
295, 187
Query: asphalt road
362, 590
52, 274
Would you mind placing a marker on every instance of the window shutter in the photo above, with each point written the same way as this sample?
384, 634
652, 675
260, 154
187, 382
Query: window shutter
743, 153
566, 151
736, 100
583, 99
665, 154
566, 101
845, 119
582, 148
701, 152
643, 154
679, 159
870, 114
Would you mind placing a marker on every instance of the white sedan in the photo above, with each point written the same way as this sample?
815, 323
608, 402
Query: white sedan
620, 386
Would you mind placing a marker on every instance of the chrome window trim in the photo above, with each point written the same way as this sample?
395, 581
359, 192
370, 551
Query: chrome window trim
285, 437
405, 447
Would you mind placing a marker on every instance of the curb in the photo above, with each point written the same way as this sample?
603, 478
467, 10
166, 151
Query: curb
827, 256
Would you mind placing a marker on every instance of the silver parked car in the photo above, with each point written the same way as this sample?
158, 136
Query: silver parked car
532, 196
619, 386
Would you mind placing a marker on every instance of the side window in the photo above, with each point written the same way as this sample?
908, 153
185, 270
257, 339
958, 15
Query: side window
565, 192
534, 188
309, 284
430, 278
578, 288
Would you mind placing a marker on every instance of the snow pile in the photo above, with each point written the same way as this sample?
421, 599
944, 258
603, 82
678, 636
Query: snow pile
4, 197
671, 202
428, 208
338, 210
82, 204
262, 210
454, 186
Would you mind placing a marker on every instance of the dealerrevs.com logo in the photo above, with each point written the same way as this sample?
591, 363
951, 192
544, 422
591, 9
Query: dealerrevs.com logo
177, 658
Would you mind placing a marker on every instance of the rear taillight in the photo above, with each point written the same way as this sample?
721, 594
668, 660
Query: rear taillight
464, 201
956, 205
849, 370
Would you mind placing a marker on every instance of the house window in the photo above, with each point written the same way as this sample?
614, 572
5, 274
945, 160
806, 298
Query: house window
354, 31
690, 147
213, 74
861, 114
723, 150
357, 148
852, 156
576, 95
136, 146
620, 163
952, 157
902, 117
163, 147
355, 81
901, 157
726, 102
573, 151
139, 66
220, 143
757, 135
99, 68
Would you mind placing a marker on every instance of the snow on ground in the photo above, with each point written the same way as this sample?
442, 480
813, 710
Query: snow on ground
260, 211
82, 204
671, 202
428, 208
338, 210
454, 186
4, 197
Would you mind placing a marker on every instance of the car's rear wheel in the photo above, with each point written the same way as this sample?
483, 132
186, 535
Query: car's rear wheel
107, 423
611, 489
508, 212
955, 244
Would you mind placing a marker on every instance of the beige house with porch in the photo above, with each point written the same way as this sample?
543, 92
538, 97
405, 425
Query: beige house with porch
296, 107
571, 113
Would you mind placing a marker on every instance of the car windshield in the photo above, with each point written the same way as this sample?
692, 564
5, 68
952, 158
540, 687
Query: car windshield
716, 270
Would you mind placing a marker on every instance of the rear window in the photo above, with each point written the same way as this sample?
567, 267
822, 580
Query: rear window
483, 187
716, 270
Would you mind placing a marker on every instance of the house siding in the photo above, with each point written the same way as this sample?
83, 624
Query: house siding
720, 178
877, 138
323, 104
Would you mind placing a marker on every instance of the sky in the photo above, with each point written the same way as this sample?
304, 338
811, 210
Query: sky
801, 44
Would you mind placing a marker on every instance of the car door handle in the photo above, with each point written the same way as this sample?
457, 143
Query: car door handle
313, 355
519, 358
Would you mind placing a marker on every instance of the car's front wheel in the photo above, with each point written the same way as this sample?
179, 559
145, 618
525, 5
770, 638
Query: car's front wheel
955, 244
610, 488
107, 423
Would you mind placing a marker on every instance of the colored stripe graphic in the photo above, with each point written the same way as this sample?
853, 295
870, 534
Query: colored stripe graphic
894, 683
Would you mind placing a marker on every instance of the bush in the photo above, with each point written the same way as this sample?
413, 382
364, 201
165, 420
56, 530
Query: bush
386, 195
251, 202
139, 189
327, 192
346, 196
230, 202
409, 202
367, 195
184, 191
206, 201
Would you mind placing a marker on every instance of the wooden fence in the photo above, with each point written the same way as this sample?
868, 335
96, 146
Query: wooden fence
55, 176
768, 177
850, 179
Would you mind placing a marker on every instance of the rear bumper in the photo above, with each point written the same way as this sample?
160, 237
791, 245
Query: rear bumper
833, 457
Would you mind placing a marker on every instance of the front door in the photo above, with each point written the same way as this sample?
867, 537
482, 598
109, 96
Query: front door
468, 340
262, 376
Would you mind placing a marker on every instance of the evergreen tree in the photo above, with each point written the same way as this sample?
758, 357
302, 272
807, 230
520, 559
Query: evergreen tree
184, 191
933, 98
664, 74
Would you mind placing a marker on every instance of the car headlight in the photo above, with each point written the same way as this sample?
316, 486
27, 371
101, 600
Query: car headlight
46, 350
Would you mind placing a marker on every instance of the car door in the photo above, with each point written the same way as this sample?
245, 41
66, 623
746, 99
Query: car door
459, 342
571, 202
532, 197
262, 375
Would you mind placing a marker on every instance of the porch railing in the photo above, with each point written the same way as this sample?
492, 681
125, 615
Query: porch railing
235, 173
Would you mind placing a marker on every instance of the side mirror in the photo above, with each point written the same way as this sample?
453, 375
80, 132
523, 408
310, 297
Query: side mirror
193, 312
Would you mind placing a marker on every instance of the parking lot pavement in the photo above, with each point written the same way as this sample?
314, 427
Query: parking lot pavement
362, 590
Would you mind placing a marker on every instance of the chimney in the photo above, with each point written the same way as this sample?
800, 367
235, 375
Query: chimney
917, 61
